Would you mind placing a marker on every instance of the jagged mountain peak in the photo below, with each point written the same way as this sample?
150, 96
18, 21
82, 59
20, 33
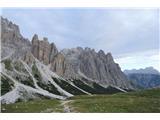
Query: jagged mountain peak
9, 24
109, 57
11, 31
43, 50
101, 52
35, 37
13, 44
37, 68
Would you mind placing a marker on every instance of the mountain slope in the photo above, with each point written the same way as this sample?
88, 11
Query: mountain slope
22, 82
35, 70
98, 67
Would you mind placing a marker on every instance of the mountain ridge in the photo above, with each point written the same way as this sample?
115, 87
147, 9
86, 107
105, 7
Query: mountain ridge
146, 78
147, 70
36, 69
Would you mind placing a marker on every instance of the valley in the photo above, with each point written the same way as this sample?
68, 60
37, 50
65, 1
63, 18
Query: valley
37, 77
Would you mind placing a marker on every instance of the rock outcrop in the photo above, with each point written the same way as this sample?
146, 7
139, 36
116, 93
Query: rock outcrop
75, 63
58, 65
99, 67
43, 50
13, 44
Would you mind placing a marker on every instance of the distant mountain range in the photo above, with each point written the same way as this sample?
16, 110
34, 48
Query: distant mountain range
147, 70
36, 69
144, 78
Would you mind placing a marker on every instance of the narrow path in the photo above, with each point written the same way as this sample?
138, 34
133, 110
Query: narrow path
66, 107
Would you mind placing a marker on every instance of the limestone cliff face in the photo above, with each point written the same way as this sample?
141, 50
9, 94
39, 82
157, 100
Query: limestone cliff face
58, 64
43, 50
73, 63
99, 67
13, 44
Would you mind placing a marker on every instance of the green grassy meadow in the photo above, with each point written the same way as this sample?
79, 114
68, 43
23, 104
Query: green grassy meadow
35, 106
146, 101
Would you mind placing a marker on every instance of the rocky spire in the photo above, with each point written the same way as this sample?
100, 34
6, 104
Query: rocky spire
109, 57
43, 50
99, 67
53, 52
45, 39
70, 63
35, 37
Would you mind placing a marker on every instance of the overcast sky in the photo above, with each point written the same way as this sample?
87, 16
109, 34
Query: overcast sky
131, 35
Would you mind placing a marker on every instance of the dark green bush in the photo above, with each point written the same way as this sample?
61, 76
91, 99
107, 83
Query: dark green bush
6, 85
8, 65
